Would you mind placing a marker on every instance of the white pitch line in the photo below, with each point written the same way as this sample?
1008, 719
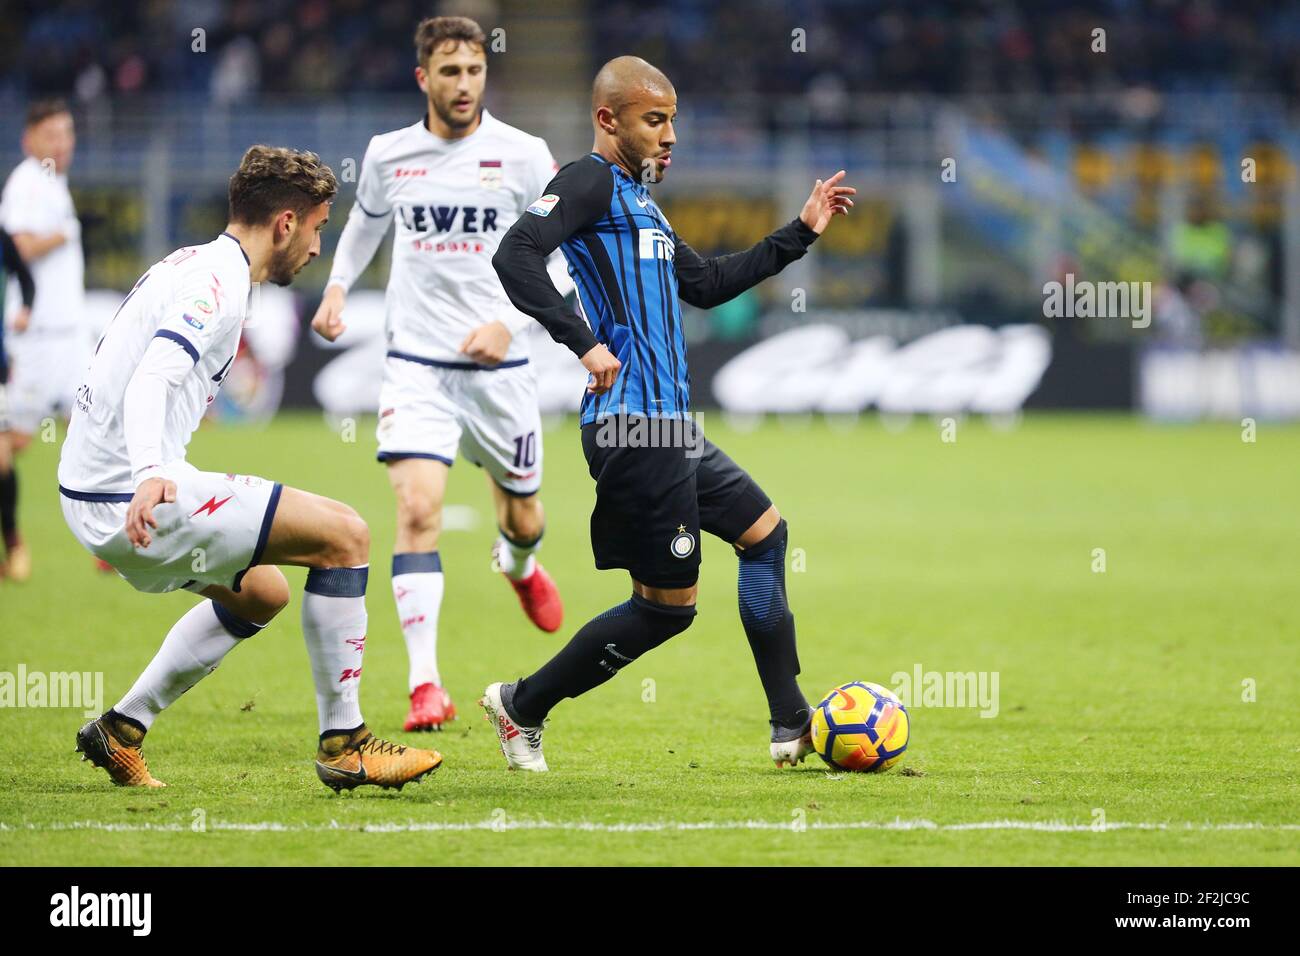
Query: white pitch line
506, 825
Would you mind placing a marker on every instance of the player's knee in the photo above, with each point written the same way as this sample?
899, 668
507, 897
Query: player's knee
269, 599
418, 512
768, 533
274, 600
665, 620
350, 543
762, 532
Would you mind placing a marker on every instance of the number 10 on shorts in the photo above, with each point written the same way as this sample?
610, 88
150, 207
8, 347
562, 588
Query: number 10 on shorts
526, 450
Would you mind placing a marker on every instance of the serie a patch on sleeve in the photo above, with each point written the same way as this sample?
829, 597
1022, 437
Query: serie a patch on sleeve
543, 206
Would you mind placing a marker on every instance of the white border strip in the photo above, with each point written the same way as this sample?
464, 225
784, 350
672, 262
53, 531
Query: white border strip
505, 825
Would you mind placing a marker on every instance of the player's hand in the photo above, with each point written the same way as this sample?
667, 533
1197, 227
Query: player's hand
603, 366
487, 344
328, 320
828, 199
22, 319
139, 514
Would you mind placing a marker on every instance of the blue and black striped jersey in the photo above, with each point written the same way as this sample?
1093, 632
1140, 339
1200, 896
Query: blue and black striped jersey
630, 268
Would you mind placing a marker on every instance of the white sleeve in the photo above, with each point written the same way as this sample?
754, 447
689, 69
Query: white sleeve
515, 321
144, 405
367, 223
21, 203
543, 167
361, 237
558, 268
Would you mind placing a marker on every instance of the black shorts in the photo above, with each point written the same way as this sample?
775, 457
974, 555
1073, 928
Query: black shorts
653, 502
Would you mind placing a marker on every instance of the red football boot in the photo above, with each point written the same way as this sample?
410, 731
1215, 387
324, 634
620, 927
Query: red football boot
540, 599
431, 707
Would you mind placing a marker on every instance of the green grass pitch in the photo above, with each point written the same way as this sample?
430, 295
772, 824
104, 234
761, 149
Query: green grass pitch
1124, 695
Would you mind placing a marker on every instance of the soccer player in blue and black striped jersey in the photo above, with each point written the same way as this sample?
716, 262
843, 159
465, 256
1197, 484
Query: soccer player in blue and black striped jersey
659, 481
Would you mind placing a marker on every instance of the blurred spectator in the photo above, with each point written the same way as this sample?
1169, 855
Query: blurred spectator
844, 46
1201, 245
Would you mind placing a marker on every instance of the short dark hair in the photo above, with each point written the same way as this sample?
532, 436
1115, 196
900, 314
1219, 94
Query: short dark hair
435, 31
41, 110
271, 179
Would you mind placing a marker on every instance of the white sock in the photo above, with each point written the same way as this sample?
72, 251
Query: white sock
191, 651
417, 590
517, 560
334, 628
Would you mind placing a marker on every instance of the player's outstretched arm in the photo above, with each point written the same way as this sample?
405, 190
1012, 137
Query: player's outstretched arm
709, 282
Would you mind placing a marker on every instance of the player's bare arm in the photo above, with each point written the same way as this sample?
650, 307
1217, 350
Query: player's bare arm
328, 320
603, 366
487, 344
32, 246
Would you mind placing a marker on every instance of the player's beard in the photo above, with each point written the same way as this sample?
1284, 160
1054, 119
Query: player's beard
639, 160
285, 264
445, 114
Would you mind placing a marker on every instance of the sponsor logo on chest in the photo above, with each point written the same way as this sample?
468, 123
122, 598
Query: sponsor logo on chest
444, 219
654, 244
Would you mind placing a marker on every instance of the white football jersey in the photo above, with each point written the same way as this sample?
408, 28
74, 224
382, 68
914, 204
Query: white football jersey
452, 201
197, 298
38, 201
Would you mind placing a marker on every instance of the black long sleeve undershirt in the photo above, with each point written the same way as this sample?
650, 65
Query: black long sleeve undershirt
581, 192
15, 264
706, 283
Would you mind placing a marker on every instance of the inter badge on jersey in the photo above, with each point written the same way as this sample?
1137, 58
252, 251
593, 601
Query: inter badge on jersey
542, 207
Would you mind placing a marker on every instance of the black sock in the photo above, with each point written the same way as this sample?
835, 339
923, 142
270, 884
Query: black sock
9, 507
595, 654
769, 625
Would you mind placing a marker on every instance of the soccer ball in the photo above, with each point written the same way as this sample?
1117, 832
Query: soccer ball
860, 727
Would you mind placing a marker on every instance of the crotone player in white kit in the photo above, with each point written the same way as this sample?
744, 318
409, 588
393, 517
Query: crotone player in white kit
132, 499
48, 346
456, 375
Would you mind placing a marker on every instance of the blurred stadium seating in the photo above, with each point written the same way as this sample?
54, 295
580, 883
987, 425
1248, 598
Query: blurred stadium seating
1123, 165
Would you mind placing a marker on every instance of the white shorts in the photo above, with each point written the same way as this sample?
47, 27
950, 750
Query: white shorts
429, 410
213, 532
45, 369
4, 408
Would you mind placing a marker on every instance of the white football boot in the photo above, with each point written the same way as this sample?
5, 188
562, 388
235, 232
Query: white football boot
790, 745
522, 746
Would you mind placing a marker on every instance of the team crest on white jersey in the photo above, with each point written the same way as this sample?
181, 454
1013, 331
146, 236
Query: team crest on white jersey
489, 174
654, 244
